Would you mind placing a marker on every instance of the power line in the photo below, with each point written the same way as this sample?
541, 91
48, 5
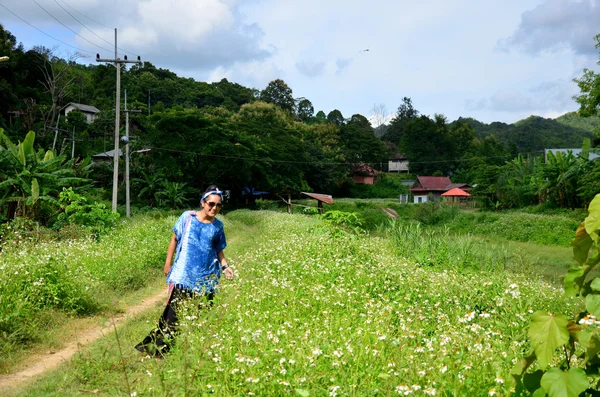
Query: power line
81, 23
90, 30
77, 34
74, 9
41, 31
322, 163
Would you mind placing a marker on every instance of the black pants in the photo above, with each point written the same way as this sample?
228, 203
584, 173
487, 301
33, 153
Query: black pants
160, 339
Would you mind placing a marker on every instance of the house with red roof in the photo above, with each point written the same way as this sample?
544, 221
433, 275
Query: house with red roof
426, 188
364, 174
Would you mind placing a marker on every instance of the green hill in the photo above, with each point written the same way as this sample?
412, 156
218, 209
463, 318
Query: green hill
536, 133
571, 119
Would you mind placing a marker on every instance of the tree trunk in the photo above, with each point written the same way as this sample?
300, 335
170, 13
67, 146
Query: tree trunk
12, 209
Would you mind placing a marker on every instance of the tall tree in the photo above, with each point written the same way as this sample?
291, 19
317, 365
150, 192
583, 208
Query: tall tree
321, 118
405, 114
279, 93
335, 117
424, 142
589, 84
277, 145
324, 172
360, 143
305, 109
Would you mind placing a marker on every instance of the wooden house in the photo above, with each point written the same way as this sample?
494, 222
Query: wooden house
398, 163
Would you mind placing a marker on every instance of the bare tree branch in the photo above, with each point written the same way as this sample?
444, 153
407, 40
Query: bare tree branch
56, 81
379, 115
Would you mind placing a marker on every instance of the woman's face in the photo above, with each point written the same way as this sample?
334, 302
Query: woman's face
212, 205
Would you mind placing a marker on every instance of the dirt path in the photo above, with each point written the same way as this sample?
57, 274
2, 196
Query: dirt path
391, 213
46, 362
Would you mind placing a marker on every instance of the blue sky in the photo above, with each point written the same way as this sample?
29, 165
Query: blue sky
491, 60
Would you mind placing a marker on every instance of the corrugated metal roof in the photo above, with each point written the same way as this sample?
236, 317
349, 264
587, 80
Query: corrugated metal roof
433, 182
364, 169
463, 186
320, 197
456, 192
398, 156
574, 151
83, 108
109, 154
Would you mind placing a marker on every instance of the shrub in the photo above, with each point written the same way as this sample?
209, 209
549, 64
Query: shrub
19, 230
263, 204
341, 219
76, 210
435, 212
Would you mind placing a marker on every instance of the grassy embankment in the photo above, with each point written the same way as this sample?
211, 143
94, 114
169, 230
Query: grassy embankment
320, 311
539, 237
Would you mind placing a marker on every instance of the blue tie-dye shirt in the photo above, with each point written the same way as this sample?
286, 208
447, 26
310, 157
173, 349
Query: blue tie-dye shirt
196, 265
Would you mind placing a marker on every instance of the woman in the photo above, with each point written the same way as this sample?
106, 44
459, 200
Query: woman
198, 242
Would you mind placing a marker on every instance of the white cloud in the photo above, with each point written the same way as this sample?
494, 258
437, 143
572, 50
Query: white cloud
510, 101
548, 97
255, 74
311, 69
177, 34
442, 54
557, 25
552, 115
186, 21
342, 64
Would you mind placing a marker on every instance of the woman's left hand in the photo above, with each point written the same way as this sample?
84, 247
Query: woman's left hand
228, 273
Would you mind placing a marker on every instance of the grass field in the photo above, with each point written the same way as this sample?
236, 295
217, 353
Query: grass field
320, 311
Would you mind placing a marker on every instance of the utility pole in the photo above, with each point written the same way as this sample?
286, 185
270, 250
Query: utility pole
56, 130
117, 63
127, 197
73, 146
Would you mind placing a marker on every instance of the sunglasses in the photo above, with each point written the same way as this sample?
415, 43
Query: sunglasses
212, 204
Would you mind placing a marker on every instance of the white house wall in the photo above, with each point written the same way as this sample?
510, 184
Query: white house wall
90, 117
395, 166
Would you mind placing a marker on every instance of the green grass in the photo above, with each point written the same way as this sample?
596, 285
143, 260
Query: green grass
42, 283
543, 229
529, 225
324, 312
45, 282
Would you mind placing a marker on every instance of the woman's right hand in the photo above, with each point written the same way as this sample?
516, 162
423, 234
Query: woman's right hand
228, 273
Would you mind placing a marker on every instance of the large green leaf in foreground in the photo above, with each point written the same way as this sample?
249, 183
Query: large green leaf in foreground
565, 384
592, 222
547, 332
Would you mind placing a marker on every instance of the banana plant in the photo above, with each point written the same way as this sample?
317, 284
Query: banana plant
27, 176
